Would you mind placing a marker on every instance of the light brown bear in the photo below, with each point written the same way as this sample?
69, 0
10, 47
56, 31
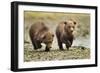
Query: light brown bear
64, 33
39, 33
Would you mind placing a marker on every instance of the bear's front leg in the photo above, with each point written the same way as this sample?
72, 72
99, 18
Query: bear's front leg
34, 44
47, 49
68, 44
39, 44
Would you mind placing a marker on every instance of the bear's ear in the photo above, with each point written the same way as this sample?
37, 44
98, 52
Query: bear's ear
65, 22
74, 22
52, 35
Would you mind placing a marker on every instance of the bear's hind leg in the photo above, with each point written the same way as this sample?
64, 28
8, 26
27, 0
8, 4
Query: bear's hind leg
39, 45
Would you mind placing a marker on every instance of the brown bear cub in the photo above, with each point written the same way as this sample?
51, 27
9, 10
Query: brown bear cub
64, 33
39, 33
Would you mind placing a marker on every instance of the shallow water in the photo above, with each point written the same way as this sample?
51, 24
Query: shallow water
82, 41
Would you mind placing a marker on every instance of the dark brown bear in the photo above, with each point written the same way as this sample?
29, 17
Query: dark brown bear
39, 33
64, 33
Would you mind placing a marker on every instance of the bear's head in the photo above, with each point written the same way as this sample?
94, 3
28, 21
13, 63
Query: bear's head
47, 39
69, 26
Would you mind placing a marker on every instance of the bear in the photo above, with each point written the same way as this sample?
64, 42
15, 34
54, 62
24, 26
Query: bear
64, 33
40, 33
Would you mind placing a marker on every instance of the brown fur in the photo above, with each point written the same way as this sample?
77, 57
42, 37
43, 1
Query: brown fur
64, 33
39, 33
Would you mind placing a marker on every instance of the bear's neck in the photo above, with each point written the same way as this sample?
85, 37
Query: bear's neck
68, 34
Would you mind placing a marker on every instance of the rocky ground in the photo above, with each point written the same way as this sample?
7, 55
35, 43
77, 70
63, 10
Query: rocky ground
41, 55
